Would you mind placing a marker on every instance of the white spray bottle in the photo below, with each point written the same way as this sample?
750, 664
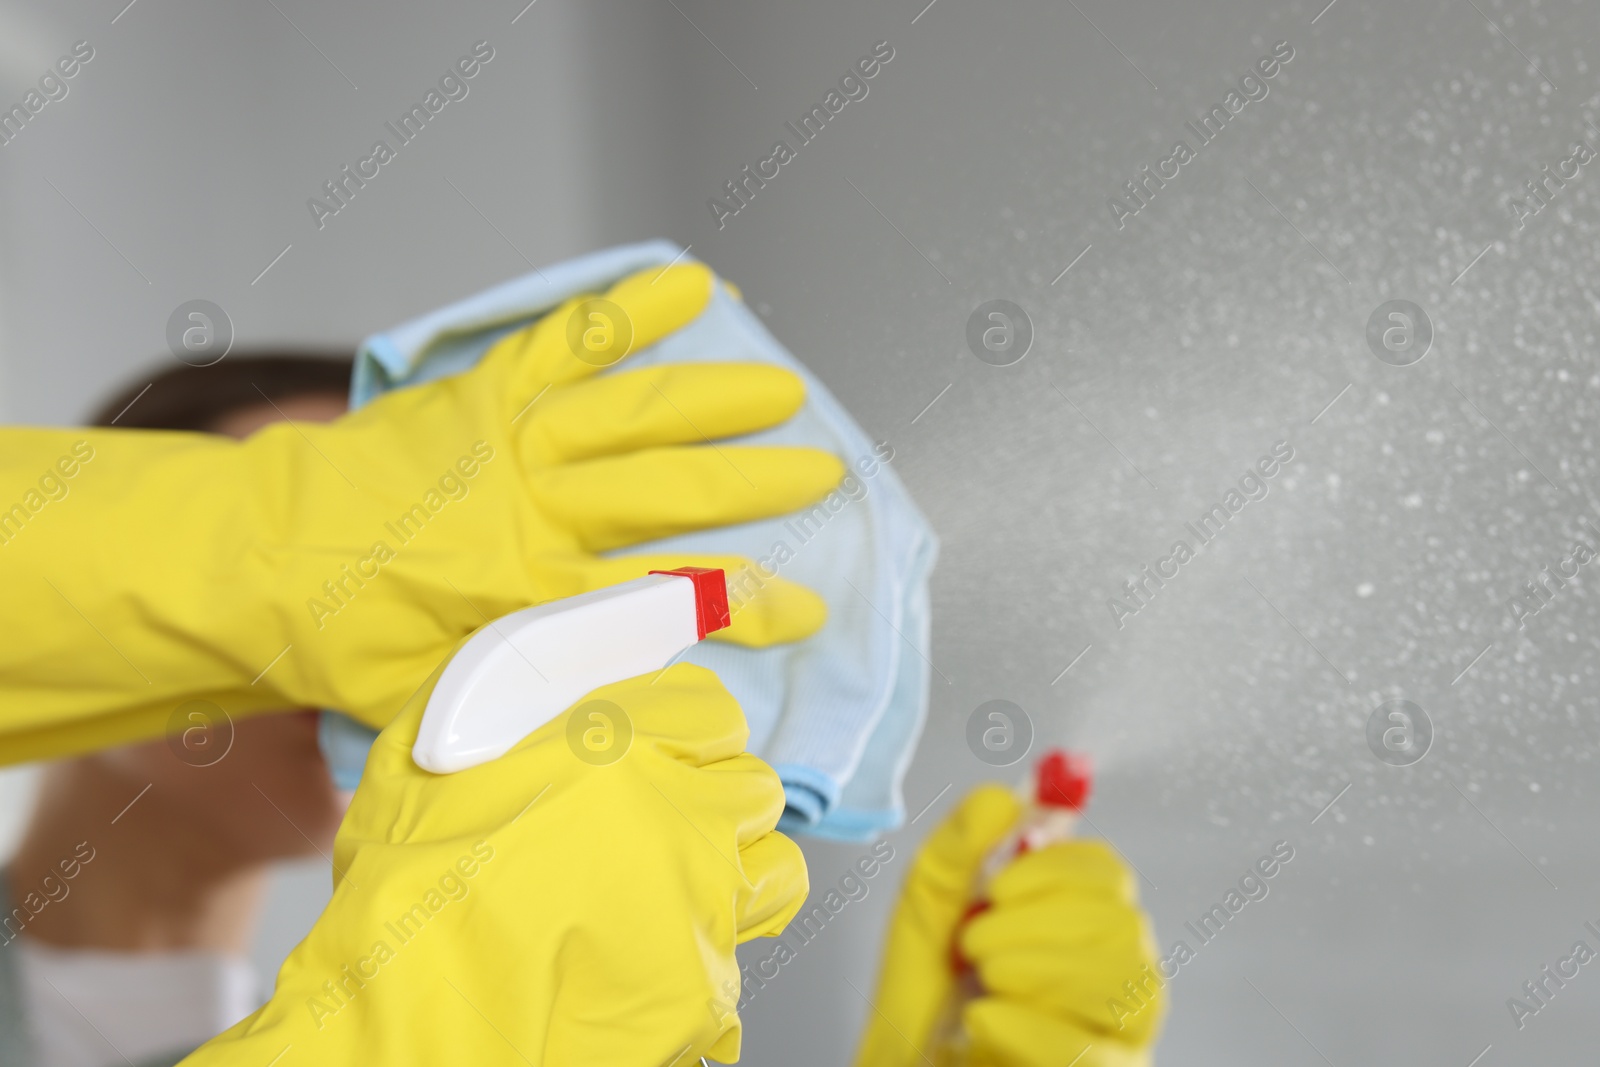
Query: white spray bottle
521, 671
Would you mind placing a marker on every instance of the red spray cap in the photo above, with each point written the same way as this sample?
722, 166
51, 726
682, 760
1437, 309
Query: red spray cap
1064, 779
710, 597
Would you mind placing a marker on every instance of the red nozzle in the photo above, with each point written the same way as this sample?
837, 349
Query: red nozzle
1064, 779
710, 597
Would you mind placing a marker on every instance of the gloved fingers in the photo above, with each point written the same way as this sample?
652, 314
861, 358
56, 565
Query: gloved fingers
765, 610
726, 1049
588, 333
776, 886
747, 795
770, 611
654, 303
653, 707
917, 974
684, 403
1007, 1034
1066, 924
401, 731
624, 500
1125, 1001
1079, 962
947, 864
1084, 867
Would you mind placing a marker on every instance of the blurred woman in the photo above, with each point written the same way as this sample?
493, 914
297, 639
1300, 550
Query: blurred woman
129, 907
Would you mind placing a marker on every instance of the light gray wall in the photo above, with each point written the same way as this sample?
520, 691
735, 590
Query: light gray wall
1190, 341
192, 141
1222, 318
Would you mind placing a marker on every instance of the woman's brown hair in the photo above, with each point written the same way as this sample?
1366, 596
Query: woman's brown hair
196, 398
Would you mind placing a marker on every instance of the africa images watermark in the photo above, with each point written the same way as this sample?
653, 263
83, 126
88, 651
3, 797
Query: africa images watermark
1538, 593
53, 889
1543, 190
803, 929
453, 86
1252, 887
453, 886
1538, 990
1140, 591
1141, 190
52, 485
52, 87
453, 484
805, 526
852, 87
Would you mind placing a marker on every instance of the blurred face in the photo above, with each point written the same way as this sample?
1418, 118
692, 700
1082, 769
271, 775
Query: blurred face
242, 422
270, 796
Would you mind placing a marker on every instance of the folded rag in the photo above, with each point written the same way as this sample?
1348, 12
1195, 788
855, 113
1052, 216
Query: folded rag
837, 715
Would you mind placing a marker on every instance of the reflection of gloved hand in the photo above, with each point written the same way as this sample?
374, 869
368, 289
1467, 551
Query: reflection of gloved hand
1062, 935
181, 566
541, 908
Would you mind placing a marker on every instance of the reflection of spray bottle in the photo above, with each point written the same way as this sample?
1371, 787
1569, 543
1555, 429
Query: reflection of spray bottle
1062, 781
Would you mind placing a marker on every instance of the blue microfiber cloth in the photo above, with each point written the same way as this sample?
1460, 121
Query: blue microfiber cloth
836, 715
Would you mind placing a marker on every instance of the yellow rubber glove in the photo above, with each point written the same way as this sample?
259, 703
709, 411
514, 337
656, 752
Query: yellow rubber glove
1063, 932
335, 565
542, 908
